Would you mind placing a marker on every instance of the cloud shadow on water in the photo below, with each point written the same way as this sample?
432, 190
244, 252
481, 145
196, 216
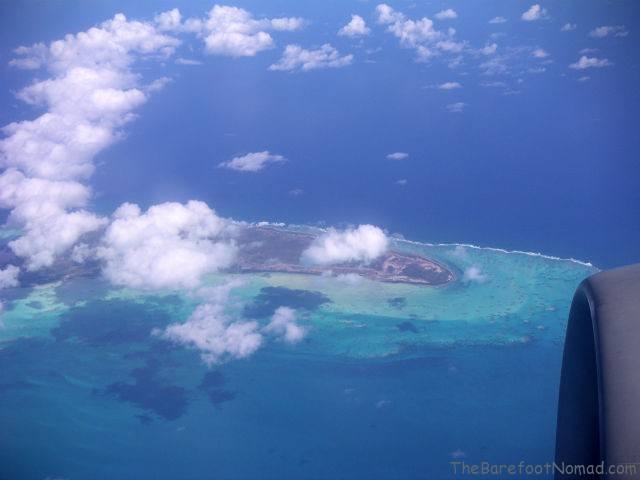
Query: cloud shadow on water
110, 322
212, 384
270, 298
149, 393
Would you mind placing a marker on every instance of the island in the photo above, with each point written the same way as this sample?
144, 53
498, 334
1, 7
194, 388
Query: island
271, 249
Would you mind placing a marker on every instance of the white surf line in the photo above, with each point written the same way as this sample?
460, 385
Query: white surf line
501, 250
428, 244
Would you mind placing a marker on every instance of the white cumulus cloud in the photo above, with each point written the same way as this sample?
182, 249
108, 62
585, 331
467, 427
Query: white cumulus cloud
283, 323
609, 30
535, 12
9, 276
213, 333
252, 162
568, 27
497, 20
362, 244
540, 53
169, 246
233, 31
589, 62
449, 86
188, 62
398, 156
448, 14
295, 57
357, 27
457, 107
489, 49
420, 35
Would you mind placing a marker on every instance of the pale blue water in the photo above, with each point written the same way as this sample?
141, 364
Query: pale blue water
392, 381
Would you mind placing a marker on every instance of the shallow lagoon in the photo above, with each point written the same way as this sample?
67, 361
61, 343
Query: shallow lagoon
392, 380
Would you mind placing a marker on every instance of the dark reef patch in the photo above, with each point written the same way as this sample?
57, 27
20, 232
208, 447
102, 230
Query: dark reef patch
407, 327
35, 305
102, 322
270, 298
397, 302
149, 393
212, 384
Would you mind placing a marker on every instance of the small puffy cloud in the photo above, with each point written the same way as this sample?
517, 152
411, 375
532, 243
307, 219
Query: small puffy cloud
589, 62
540, 53
9, 276
287, 24
584, 78
450, 46
449, 86
296, 192
489, 49
474, 274
295, 57
497, 20
535, 12
357, 27
420, 35
495, 65
398, 156
568, 27
209, 330
283, 323
169, 246
30, 58
402, 182
158, 84
252, 162
170, 20
448, 14
495, 84
457, 107
234, 32
362, 244
188, 61
609, 30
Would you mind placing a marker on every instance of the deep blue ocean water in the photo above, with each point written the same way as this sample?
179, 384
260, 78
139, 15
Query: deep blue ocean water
276, 416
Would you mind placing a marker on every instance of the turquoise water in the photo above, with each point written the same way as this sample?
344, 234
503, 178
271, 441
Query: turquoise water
391, 381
